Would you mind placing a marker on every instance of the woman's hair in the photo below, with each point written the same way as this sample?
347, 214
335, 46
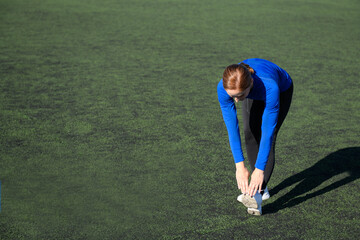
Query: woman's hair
237, 76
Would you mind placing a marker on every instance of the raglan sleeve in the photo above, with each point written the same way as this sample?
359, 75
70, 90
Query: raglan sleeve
269, 121
229, 114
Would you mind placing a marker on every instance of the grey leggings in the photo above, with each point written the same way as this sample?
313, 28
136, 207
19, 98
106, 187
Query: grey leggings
252, 111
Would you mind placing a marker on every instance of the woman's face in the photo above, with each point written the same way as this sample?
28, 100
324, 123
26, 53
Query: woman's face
238, 95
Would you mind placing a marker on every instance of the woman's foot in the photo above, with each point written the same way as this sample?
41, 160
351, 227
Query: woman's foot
252, 203
255, 211
265, 196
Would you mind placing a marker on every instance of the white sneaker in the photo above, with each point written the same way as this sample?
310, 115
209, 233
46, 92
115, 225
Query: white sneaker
265, 196
240, 197
252, 203
255, 211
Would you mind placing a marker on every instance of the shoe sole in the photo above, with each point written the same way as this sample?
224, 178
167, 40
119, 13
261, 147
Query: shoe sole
240, 198
254, 211
249, 202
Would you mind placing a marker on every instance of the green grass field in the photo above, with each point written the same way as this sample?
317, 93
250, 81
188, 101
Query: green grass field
110, 126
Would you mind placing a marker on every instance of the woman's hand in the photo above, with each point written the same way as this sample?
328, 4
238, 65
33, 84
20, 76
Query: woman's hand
242, 177
257, 178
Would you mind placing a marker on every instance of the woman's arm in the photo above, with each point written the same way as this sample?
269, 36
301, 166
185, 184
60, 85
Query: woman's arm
229, 113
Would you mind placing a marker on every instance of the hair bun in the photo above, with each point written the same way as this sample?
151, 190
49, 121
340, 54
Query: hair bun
251, 70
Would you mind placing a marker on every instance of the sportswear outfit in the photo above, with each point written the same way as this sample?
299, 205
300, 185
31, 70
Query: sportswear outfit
263, 112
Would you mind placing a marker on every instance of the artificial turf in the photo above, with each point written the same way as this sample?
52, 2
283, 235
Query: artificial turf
110, 126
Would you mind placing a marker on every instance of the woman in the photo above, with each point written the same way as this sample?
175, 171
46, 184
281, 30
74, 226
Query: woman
265, 90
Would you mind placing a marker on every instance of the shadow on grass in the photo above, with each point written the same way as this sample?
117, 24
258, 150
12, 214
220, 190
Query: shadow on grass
341, 161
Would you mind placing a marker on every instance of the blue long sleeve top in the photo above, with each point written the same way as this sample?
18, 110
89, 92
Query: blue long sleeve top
269, 81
